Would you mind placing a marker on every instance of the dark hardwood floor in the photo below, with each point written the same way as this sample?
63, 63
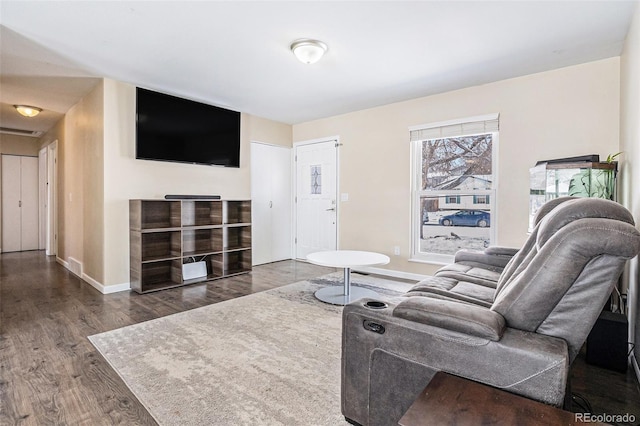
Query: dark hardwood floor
51, 375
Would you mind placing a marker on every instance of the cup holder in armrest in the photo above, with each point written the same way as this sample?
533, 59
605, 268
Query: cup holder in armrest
375, 304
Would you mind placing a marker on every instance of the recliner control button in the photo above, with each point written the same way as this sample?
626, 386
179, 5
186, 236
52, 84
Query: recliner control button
373, 326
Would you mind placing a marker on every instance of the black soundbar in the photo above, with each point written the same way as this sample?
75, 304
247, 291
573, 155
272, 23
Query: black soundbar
191, 197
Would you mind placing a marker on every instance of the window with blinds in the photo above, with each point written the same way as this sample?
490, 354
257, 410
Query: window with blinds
453, 186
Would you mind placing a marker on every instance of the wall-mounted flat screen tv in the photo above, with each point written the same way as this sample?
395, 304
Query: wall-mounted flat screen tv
169, 128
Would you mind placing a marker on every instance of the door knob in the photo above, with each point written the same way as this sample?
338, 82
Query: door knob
332, 209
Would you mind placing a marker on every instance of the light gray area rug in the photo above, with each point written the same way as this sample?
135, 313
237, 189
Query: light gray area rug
270, 358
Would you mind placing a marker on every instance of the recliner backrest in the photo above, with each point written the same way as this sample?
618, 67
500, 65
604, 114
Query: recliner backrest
561, 285
528, 250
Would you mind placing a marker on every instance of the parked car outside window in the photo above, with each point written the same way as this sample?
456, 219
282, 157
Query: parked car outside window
467, 218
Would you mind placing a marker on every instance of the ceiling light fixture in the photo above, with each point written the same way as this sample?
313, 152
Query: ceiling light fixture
308, 51
28, 111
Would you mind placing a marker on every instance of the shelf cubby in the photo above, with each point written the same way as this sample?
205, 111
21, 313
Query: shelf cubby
237, 262
237, 237
160, 245
154, 214
159, 275
197, 242
238, 212
201, 213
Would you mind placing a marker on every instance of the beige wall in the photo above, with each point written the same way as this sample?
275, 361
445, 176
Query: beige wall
18, 145
565, 112
92, 125
267, 131
127, 178
80, 137
98, 174
630, 158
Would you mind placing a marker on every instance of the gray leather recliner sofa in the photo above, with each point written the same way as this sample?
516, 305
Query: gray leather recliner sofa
484, 267
522, 339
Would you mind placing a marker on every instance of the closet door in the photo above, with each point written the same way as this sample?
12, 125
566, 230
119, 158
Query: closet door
29, 195
270, 203
281, 194
260, 204
11, 217
19, 203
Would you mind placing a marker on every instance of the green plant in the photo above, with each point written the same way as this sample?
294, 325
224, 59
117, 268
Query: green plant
612, 157
598, 183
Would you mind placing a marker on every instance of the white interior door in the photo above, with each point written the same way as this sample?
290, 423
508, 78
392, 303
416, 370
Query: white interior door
20, 225
29, 196
281, 208
316, 204
270, 203
11, 218
260, 205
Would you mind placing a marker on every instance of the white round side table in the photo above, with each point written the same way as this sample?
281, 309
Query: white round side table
346, 259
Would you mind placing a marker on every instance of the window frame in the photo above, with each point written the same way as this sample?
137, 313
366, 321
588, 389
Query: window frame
449, 197
475, 197
417, 194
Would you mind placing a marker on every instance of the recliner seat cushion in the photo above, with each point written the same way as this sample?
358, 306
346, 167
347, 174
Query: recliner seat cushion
470, 274
451, 288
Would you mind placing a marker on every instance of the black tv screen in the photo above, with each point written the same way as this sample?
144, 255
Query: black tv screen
169, 128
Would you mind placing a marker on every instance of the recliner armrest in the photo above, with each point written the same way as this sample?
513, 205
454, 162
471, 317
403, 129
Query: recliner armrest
461, 317
501, 251
494, 257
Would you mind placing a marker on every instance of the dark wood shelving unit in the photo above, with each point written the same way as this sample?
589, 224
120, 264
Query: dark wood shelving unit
165, 234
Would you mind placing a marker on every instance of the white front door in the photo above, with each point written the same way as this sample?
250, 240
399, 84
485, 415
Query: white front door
316, 203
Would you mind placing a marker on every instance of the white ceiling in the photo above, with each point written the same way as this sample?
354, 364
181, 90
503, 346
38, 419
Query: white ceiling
236, 54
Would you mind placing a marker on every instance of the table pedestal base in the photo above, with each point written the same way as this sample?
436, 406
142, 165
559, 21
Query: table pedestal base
335, 295
346, 294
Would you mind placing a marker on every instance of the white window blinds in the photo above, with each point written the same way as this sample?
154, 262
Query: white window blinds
453, 128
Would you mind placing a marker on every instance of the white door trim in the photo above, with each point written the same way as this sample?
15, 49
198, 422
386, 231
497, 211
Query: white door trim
42, 198
51, 245
335, 139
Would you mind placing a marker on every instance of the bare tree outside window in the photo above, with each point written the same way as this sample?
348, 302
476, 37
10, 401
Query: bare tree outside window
446, 163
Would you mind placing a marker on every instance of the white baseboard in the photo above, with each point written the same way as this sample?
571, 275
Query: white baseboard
116, 288
104, 289
62, 262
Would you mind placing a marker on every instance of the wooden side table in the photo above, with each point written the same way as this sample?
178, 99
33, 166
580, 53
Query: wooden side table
451, 400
